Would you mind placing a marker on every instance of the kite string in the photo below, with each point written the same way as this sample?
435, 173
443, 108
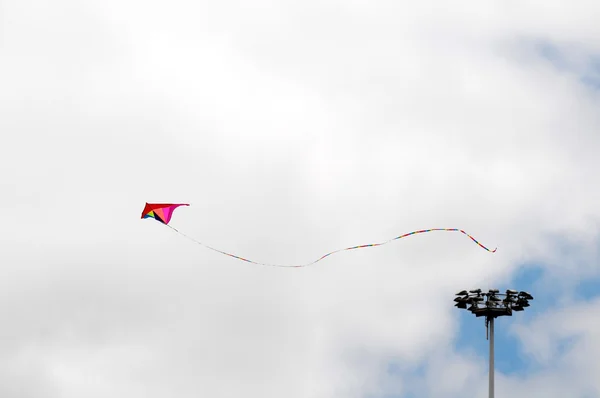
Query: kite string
333, 252
220, 251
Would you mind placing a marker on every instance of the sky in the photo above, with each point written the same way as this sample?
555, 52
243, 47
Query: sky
294, 129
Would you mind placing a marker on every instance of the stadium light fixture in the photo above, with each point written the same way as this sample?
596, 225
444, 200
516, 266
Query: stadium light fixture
491, 305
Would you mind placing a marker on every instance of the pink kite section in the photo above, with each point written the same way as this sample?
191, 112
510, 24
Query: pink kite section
161, 211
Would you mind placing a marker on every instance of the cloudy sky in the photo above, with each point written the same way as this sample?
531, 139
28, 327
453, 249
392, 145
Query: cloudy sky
293, 129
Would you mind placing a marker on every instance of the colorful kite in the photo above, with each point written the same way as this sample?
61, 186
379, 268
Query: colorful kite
163, 211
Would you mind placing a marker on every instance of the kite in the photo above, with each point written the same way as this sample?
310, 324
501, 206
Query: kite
162, 212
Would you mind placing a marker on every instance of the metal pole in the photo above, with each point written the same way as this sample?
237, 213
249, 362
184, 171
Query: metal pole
491, 320
492, 308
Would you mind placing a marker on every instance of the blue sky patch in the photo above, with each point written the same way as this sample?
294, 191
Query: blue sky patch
592, 76
552, 54
588, 73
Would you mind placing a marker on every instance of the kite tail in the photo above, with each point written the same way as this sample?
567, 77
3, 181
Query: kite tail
225, 253
333, 252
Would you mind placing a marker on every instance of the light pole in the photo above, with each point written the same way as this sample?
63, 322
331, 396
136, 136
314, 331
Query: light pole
492, 305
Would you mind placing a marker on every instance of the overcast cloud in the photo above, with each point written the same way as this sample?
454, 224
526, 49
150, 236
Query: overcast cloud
293, 129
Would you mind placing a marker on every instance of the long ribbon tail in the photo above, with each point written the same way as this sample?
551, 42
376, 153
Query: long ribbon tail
333, 252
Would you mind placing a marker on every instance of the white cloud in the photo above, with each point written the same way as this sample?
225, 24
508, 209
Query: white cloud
294, 129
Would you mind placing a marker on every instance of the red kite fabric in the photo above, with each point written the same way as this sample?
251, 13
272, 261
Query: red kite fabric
161, 211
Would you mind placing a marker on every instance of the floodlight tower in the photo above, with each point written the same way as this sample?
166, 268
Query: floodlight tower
491, 305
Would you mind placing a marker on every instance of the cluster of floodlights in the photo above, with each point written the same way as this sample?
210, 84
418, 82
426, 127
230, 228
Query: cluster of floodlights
493, 303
